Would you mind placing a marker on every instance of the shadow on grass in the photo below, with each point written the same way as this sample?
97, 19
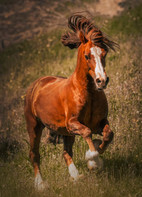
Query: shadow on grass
9, 146
120, 167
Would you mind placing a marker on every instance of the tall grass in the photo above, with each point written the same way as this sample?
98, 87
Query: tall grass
23, 63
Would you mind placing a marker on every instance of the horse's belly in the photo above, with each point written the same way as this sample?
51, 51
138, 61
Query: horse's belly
52, 116
50, 113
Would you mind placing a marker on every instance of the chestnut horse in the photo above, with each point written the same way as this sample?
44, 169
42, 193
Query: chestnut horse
76, 105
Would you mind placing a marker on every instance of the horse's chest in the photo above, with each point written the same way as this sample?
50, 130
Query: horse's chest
95, 110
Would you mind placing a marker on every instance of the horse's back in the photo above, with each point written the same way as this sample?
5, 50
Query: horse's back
35, 87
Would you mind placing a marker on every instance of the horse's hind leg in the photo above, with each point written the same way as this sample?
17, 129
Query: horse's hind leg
35, 128
68, 143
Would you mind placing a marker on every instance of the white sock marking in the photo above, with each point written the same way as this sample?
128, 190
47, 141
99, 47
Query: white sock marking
90, 155
97, 162
39, 185
91, 165
73, 171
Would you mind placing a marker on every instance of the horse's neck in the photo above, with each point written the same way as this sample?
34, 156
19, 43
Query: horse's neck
79, 79
81, 71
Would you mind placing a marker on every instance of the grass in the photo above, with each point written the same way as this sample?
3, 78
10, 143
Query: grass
23, 63
128, 23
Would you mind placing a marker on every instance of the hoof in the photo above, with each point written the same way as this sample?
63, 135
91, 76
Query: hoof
72, 179
90, 155
39, 184
97, 163
40, 187
91, 165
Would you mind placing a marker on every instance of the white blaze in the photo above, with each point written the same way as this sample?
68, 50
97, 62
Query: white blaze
96, 52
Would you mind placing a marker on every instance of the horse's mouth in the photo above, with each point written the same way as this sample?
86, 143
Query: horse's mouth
101, 87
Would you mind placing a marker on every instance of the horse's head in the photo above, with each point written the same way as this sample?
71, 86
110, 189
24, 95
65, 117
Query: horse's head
93, 44
95, 58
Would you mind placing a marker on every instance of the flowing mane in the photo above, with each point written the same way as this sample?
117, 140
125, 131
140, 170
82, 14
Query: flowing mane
79, 23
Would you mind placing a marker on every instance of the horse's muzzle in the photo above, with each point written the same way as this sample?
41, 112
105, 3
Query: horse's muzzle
101, 83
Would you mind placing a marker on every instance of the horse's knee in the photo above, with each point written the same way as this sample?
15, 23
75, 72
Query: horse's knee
107, 134
86, 133
108, 137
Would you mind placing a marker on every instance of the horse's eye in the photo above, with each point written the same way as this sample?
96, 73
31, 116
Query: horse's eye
86, 57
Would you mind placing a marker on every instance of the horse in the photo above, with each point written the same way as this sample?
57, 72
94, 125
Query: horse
76, 105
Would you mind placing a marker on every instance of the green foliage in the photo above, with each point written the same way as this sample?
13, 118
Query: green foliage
34, 59
128, 23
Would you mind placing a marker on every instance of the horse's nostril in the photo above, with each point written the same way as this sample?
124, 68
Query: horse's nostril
107, 80
98, 81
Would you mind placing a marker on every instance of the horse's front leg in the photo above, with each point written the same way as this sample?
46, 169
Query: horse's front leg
76, 128
101, 146
107, 138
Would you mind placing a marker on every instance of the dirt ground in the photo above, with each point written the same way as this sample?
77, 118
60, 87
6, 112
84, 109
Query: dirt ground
20, 20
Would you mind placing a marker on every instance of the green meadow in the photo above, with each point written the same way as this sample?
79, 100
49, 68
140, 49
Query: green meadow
22, 63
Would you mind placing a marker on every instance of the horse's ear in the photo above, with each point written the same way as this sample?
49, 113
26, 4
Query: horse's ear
82, 37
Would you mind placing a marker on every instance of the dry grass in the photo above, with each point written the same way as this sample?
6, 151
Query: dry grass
121, 176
